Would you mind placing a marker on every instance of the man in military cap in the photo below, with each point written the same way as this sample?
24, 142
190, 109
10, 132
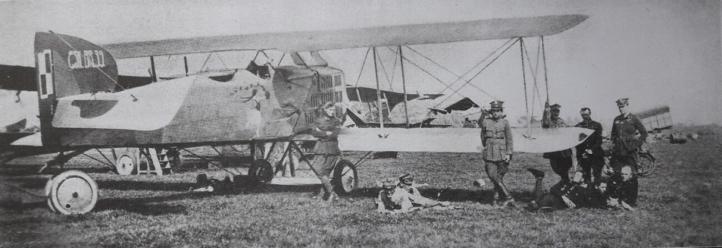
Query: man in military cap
589, 153
403, 197
326, 151
625, 129
498, 147
560, 161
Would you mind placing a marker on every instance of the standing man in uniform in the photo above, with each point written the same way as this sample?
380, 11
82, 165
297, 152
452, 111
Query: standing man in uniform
560, 161
498, 147
625, 128
326, 152
589, 153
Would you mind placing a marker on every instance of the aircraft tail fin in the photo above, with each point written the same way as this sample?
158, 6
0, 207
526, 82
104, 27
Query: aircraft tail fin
66, 66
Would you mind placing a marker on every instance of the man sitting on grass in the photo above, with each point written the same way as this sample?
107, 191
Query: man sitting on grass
568, 195
403, 197
624, 189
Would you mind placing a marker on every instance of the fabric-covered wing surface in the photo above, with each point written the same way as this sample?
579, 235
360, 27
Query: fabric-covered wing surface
455, 139
410, 34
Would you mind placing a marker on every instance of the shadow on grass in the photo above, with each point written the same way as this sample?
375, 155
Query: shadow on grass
30, 170
449, 194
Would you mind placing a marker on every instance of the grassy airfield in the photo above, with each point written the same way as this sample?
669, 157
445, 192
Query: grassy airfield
679, 205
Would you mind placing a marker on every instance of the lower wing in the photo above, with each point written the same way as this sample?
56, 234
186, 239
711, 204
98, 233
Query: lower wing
534, 140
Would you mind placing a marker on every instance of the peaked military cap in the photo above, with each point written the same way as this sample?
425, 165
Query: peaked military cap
497, 105
622, 101
556, 106
407, 179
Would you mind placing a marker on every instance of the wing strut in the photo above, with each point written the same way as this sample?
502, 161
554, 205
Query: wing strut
403, 85
378, 91
544, 59
523, 76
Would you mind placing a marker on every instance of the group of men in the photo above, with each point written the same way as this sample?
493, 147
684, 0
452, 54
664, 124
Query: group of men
589, 187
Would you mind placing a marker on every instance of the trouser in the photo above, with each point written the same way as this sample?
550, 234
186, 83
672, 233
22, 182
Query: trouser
401, 197
591, 167
545, 199
322, 165
561, 166
496, 170
617, 162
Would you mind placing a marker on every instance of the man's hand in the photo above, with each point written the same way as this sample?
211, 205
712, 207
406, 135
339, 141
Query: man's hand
569, 203
588, 151
329, 133
613, 202
626, 206
507, 158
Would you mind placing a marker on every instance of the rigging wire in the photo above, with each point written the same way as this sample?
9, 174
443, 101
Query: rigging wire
363, 64
468, 82
383, 68
460, 77
438, 79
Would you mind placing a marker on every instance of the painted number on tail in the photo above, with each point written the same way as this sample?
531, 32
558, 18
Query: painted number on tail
45, 73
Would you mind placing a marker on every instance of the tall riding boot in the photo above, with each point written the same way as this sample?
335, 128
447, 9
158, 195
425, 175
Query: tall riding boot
507, 200
330, 194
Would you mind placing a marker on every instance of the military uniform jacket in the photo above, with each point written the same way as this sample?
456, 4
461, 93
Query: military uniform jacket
327, 144
624, 135
594, 142
496, 138
547, 122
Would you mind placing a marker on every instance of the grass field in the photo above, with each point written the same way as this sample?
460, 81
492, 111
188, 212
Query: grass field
679, 205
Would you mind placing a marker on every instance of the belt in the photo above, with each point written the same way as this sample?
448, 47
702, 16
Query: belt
495, 138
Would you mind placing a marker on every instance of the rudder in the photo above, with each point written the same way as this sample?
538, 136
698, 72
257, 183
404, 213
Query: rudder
66, 66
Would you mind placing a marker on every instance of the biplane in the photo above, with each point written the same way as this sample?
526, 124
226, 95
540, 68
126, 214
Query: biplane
84, 104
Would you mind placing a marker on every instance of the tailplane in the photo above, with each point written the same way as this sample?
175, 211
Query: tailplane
66, 66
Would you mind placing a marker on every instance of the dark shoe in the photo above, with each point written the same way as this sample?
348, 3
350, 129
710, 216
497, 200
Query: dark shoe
536, 173
332, 197
509, 203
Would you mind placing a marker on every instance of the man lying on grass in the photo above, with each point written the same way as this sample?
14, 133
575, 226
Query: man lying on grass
403, 197
576, 194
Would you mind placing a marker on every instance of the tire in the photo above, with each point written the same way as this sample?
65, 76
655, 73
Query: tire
73, 192
345, 177
261, 171
48, 189
127, 161
646, 164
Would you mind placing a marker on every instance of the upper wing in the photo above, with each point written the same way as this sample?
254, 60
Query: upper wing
17, 78
411, 34
23, 78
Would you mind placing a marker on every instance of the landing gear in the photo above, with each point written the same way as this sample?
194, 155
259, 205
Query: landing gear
72, 192
127, 161
345, 177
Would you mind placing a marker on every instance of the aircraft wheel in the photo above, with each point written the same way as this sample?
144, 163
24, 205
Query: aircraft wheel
345, 177
73, 192
48, 188
127, 162
261, 171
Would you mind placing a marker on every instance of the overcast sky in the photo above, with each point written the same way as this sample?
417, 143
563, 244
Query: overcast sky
654, 52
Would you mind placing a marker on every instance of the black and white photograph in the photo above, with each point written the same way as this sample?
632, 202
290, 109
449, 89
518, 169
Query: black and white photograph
369, 123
